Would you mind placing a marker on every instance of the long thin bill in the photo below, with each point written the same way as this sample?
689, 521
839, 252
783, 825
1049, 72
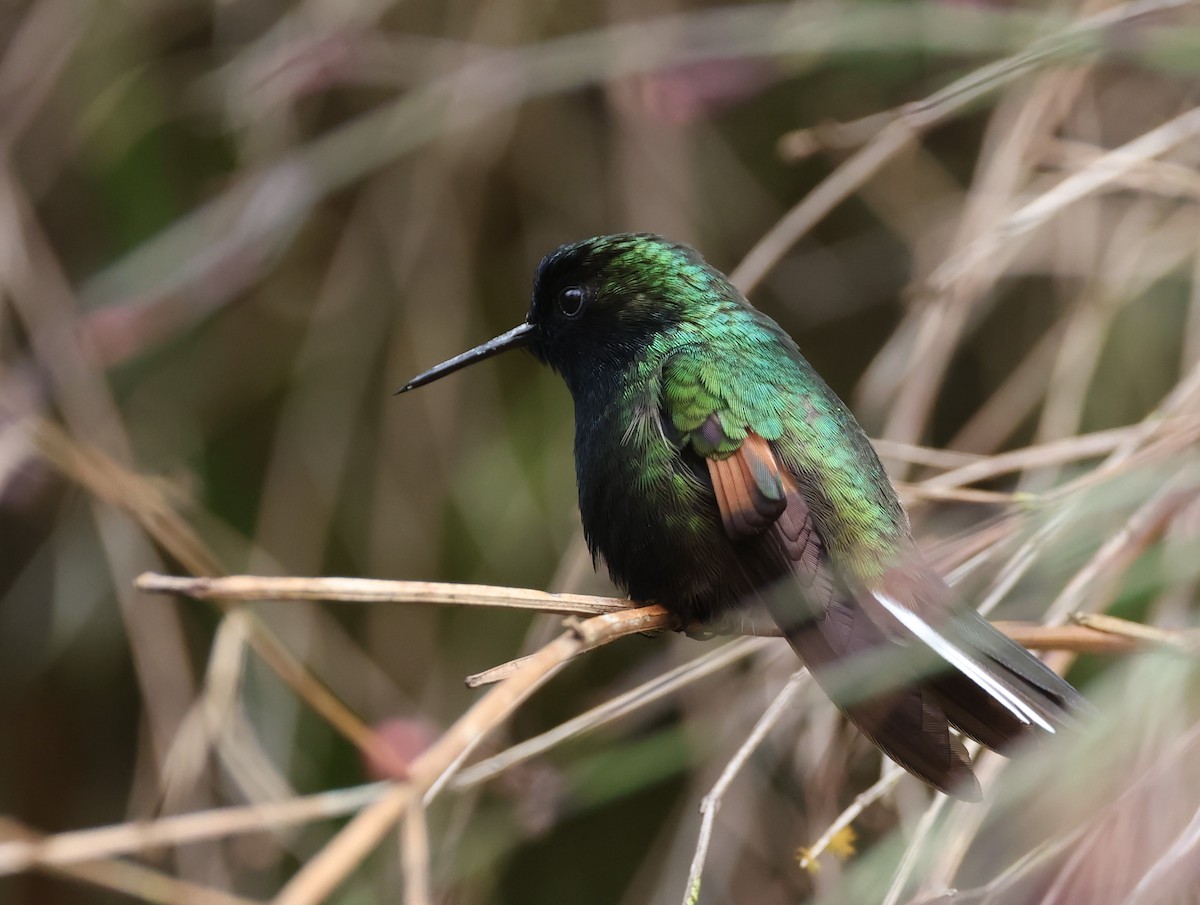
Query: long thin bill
514, 338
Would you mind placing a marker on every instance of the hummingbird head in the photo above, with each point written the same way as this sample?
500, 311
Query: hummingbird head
599, 303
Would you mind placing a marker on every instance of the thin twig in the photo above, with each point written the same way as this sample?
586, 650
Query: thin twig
143, 500
1012, 402
1023, 865
712, 801
641, 696
922, 455
329, 867
1120, 550
34, 281
912, 853
496, 81
77, 846
1058, 452
1100, 173
1175, 404
939, 322
373, 590
494, 674
1185, 641
252, 587
135, 880
861, 802
1069, 638
829, 193
915, 493
415, 846
1160, 177
913, 119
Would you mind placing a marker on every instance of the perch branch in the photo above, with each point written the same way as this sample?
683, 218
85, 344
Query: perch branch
1078, 638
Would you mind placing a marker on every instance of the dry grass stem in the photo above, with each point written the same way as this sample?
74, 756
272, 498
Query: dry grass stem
1014, 400
912, 852
1155, 176
912, 494
78, 846
1118, 552
1096, 176
911, 120
861, 802
145, 502
326, 870
41, 294
1069, 449
712, 801
945, 459
373, 590
187, 384
1185, 641
418, 888
641, 696
494, 674
851, 175
135, 880
1175, 870
248, 587
1021, 868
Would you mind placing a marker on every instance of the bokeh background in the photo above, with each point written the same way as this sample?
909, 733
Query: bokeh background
229, 230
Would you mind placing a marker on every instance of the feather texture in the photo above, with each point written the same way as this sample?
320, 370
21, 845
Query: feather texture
835, 637
715, 466
844, 632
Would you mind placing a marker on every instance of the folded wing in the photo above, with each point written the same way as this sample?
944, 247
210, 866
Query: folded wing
901, 660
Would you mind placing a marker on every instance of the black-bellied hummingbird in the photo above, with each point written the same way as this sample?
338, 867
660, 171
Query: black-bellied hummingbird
718, 471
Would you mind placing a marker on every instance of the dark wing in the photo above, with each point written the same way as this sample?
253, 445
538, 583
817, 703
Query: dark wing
830, 629
900, 657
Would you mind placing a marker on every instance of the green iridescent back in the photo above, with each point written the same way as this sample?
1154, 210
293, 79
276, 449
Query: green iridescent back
706, 351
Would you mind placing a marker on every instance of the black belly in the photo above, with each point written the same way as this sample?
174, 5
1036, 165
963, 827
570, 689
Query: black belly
657, 551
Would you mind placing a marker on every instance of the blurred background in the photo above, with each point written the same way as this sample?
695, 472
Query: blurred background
229, 230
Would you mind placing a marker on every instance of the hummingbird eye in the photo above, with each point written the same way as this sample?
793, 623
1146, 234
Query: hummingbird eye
570, 301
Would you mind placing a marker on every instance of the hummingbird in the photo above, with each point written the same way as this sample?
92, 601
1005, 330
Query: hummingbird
718, 474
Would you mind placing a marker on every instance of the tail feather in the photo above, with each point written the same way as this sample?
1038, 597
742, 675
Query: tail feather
992, 673
905, 682
901, 658
904, 717
1057, 699
976, 713
967, 661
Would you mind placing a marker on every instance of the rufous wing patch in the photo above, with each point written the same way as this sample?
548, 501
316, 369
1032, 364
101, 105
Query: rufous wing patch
749, 488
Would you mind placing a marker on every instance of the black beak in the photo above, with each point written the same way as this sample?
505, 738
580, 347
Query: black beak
514, 338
